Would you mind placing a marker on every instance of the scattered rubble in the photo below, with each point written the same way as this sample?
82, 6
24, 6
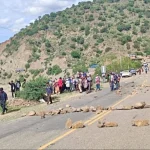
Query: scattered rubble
140, 123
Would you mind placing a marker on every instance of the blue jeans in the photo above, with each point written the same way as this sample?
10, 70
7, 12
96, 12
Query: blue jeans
97, 86
112, 86
3, 105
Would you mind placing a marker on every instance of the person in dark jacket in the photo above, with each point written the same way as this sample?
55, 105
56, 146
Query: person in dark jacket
13, 88
3, 99
49, 92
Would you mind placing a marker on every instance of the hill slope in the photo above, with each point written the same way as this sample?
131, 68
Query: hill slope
89, 33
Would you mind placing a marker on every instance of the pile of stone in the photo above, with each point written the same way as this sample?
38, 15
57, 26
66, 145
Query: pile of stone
139, 105
68, 109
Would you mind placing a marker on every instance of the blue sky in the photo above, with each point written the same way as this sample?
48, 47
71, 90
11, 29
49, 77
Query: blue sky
16, 14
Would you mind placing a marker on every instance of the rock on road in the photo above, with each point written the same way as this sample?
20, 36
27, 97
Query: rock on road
33, 132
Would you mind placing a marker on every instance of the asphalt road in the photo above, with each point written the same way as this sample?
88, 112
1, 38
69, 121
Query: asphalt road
33, 132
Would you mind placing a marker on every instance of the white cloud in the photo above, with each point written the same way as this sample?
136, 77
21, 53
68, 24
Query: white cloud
34, 10
23, 12
19, 20
4, 21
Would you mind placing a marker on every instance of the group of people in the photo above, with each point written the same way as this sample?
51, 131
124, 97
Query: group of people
15, 87
114, 81
82, 82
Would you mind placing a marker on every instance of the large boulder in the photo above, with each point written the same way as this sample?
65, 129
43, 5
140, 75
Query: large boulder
98, 111
99, 108
73, 109
92, 109
68, 124
32, 113
139, 105
110, 124
64, 111
106, 124
67, 106
85, 109
78, 124
55, 112
79, 110
140, 123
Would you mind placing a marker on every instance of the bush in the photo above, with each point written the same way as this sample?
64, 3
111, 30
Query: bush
122, 27
64, 53
34, 89
108, 49
9, 76
27, 66
125, 39
73, 46
47, 43
80, 67
55, 70
80, 40
75, 54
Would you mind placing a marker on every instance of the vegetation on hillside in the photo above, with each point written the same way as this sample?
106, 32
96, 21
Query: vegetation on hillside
87, 32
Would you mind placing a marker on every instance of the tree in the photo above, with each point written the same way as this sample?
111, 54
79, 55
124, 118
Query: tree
34, 89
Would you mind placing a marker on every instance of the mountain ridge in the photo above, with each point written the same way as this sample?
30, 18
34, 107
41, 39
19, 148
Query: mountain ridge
88, 33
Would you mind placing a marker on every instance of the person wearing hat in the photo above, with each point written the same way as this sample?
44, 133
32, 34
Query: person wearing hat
3, 99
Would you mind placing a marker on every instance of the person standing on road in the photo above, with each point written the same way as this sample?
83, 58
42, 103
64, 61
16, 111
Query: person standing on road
3, 99
89, 79
49, 92
112, 81
13, 88
97, 81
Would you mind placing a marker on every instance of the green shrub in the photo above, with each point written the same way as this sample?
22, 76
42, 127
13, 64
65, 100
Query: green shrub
75, 54
80, 67
80, 40
9, 76
27, 66
73, 46
108, 49
63, 53
47, 43
34, 89
55, 70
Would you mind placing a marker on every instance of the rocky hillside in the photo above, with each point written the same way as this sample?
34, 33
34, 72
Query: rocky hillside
73, 39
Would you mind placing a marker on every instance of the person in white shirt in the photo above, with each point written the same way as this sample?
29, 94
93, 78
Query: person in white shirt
68, 85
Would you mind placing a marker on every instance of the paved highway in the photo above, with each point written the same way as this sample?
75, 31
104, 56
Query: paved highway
33, 132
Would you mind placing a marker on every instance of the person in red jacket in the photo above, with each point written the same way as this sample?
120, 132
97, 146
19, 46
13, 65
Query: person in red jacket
60, 84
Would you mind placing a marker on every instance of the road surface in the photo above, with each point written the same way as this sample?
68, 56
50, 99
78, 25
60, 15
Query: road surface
33, 132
